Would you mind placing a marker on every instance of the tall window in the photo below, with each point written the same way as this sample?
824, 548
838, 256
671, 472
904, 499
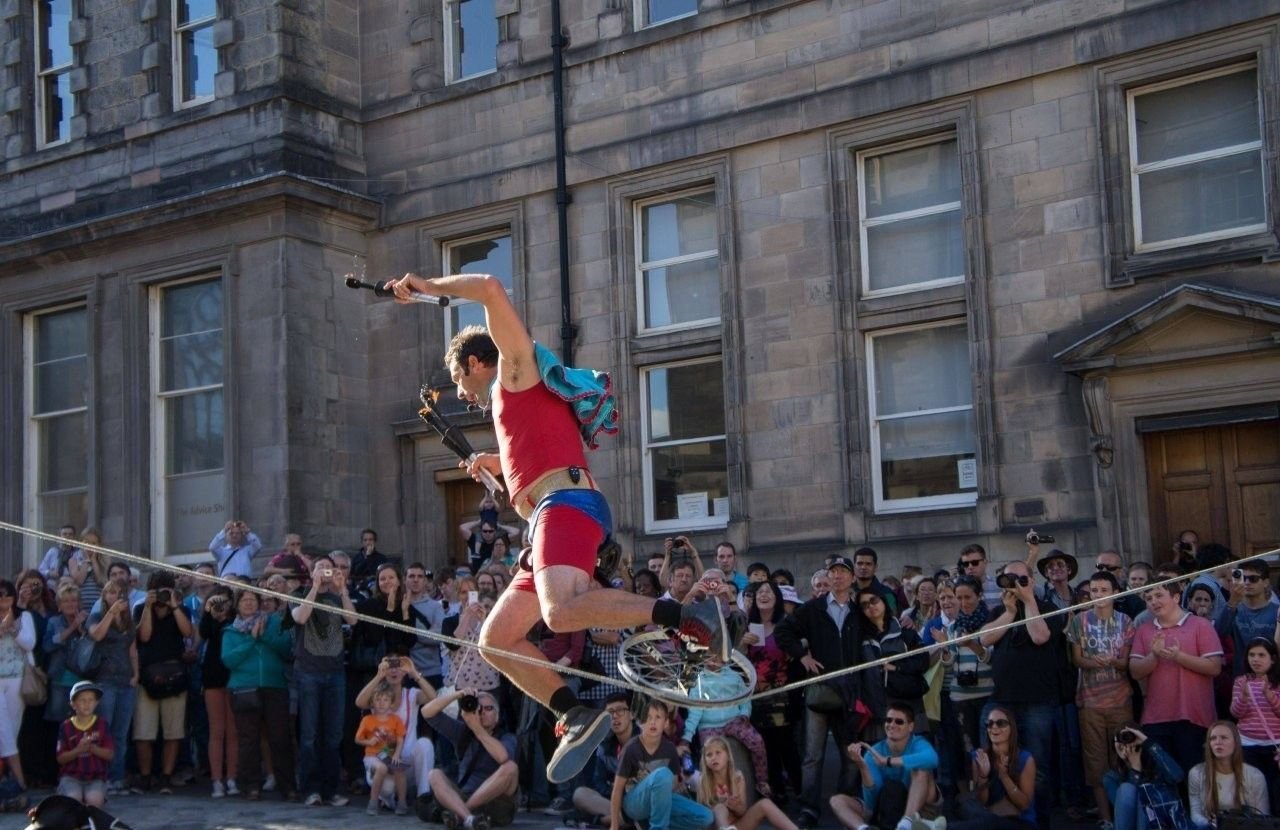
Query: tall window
911, 231
195, 58
54, 102
685, 465
476, 255
57, 435
654, 12
923, 434
471, 38
677, 261
1195, 148
189, 480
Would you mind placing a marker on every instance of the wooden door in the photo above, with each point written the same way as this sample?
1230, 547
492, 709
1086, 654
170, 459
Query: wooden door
462, 499
1222, 482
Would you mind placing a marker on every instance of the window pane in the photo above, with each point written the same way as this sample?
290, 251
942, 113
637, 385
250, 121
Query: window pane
1217, 112
189, 10
191, 360
466, 314
483, 256
193, 427
912, 179
199, 63
660, 10
61, 509
682, 293
61, 334
61, 385
921, 456
55, 34
60, 362
679, 227
197, 509
1213, 195
476, 37
922, 369
685, 470
191, 307
915, 250
686, 401
58, 107
64, 452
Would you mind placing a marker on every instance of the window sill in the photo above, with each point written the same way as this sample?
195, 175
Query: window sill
1128, 268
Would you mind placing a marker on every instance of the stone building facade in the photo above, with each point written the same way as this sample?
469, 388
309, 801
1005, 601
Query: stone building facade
907, 273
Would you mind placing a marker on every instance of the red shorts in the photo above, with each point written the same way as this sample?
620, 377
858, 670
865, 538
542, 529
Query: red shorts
562, 536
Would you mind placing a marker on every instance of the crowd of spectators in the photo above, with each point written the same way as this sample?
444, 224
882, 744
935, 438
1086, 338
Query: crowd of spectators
973, 701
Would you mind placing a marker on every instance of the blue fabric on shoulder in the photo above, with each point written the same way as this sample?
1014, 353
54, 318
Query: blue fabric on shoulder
588, 391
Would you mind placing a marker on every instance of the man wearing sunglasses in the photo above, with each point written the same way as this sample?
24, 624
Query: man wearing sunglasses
484, 795
896, 777
1251, 610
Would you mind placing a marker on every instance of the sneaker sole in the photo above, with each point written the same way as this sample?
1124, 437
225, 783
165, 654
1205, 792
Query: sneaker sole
571, 756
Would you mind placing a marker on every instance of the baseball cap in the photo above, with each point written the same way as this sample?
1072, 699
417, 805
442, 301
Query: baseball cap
840, 562
85, 686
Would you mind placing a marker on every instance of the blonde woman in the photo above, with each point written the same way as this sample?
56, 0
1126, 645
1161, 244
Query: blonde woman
1223, 781
112, 627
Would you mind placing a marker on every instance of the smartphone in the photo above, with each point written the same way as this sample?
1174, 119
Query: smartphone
473, 597
758, 630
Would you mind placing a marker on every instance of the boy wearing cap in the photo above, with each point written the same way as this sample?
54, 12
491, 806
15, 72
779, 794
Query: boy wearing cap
85, 748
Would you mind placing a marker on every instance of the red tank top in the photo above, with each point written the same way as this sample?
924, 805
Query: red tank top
537, 432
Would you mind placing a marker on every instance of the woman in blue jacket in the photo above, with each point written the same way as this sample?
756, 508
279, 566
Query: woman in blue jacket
1144, 786
255, 650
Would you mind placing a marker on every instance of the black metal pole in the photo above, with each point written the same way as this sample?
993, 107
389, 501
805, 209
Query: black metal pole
568, 331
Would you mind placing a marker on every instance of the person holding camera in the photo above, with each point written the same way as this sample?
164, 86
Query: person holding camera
969, 674
484, 794
1143, 785
321, 679
1028, 664
223, 741
417, 753
233, 549
162, 627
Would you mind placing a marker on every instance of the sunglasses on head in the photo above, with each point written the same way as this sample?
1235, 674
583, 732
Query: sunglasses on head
895, 721
998, 723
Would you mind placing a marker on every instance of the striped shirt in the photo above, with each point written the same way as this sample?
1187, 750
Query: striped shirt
87, 767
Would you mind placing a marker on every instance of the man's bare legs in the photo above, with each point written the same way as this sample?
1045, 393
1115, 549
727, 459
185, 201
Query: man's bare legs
506, 628
503, 782
921, 792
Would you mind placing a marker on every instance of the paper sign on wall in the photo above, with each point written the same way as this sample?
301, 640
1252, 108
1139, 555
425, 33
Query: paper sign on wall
692, 505
967, 471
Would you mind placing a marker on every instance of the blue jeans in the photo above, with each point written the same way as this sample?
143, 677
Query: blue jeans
1125, 803
1036, 722
653, 801
320, 701
116, 708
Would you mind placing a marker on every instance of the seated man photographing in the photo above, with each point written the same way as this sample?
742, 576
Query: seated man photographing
897, 777
487, 775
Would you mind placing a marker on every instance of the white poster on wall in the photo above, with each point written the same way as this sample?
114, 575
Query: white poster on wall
692, 505
967, 471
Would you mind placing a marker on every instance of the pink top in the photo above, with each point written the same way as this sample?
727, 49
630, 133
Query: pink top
1257, 719
1175, 693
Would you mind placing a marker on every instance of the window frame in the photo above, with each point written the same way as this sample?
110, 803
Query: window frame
641, 266
446, 249
157, 405
452, 55
42, 74
31, 439
651, 523
642, 15
881, 505
176, 31
1136, 170
958, 206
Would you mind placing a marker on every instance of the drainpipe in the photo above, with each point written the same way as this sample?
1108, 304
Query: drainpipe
568, 331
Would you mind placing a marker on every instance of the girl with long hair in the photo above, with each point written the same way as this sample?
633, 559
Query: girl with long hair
390, 602
724, 789
17, 639
38, 737
924, 604
216, 615
970, 679
1143, 788
773, 717
1004, 780
1223, 781
902, 679
1255, 703
115, 632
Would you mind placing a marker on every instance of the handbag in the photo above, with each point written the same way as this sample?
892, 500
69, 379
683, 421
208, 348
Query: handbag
823, 697
1246, 818
84, 659
245, 700
35, 685
168, 678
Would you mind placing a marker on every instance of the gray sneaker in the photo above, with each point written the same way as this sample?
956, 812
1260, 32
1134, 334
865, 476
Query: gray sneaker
703, 632
580, 731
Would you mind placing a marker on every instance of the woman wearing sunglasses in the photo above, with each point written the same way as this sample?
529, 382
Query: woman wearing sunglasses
1004, 780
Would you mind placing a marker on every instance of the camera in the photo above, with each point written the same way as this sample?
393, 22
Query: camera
1185, 547
393, 662
327, 573
677, 544
1008, 581
1034, 538
1126, 736
164, 595
967, 678
1237, 575
469, 703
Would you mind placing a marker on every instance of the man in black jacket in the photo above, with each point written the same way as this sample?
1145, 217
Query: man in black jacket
825, 636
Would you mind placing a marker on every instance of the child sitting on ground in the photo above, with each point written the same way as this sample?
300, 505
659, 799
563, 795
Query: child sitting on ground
85, 748
724, 790
382, 736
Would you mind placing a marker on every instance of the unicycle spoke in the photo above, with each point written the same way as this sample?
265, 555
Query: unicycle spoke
655, 661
